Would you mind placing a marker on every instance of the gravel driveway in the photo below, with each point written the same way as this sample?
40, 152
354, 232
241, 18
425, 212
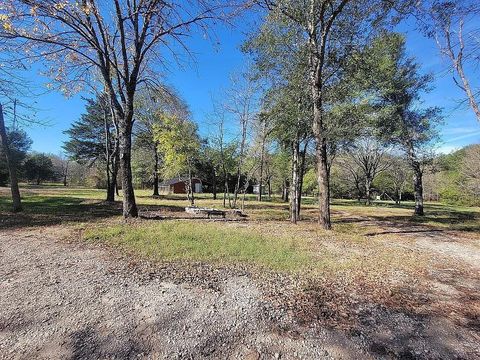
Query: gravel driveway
68, 300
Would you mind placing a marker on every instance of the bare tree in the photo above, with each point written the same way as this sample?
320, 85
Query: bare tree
241, 104
119, 42
453, 26
369, 155
263, 129
351, 173
399, 173
61, 164
470, 169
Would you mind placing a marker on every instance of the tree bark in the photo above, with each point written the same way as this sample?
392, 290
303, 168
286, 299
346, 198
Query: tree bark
418, 188
303, 155
240, 161
323, 184
458, 65
12, 171
321, 145
65, 173
108, 158
214, 184
286, 186
262, 155
269, 186
294, 185
368, 185
125, 131
65, 180
110, 189
155, 172
190, 188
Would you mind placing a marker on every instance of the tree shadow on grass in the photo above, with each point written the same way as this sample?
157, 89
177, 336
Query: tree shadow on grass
451, 220
435, 215
44, 211
55, 210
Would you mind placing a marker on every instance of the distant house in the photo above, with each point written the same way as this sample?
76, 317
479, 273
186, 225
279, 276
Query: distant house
179, 186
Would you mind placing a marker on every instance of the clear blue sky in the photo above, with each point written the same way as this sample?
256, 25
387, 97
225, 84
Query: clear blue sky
216, 59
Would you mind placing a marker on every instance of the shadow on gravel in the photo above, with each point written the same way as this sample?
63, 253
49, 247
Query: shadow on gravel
438, 322
88, 344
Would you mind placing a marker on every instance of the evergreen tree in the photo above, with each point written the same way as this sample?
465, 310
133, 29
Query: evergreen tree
38, 168
93, 140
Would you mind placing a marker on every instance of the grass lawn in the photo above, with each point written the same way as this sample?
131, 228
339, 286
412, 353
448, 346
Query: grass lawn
182, 240
266, 239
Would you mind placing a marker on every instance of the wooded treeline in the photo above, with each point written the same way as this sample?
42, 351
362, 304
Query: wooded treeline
331, 93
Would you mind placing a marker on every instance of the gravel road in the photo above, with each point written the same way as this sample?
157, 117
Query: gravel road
68, 300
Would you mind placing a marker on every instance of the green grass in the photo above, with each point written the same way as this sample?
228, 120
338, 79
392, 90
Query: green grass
266, 239
446, 216
181, 240
77, 204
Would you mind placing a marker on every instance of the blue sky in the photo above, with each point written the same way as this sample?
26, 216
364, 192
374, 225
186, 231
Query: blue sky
217, 58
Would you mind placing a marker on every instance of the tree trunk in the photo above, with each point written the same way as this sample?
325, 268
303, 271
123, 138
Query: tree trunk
108, 157
303, 156
237, 189
12, 171
225, 188
65, 174
214, 184
155, 173
240, 162
110, 184
418, 188
368, 185
260, 183
321, 153
125, 131
294, 186
323, 184
110, 189
269, 186
190, 186
244, 195
286, 186
458, 63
